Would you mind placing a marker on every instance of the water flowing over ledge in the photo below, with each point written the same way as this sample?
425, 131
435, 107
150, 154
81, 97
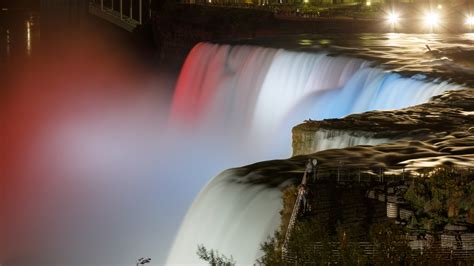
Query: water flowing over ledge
254, 96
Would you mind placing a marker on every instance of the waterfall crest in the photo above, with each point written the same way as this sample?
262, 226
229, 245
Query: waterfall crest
254, 96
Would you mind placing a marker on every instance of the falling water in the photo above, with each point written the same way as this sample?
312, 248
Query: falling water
252, 96
93, 170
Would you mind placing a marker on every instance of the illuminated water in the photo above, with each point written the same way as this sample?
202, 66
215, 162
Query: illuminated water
236, 218
452, 55
91, 174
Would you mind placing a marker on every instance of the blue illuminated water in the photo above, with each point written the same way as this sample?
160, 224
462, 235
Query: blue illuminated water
293, 86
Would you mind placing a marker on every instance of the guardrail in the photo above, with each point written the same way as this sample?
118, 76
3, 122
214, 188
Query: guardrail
128, 14
371, 251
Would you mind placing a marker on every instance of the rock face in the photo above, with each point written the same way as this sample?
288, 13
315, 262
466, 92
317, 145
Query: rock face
450, 112
437, 133
308, 140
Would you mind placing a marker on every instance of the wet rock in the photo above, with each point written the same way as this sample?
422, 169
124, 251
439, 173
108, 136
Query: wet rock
446, 116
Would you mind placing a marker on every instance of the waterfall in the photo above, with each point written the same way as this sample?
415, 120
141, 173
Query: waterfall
251, 97
246, 92
325, 139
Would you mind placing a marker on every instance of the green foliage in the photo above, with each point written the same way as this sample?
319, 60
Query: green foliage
289, 195
310, 231
391, 246
272, 254
350, 253
214, 258
441, 196
307, 232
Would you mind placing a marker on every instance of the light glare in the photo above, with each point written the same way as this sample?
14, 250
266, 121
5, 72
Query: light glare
432, 19
470, 21
393, 18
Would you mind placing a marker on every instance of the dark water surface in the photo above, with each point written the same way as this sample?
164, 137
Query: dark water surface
19, 34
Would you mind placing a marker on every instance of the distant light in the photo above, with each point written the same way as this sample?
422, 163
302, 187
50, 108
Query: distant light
368, 3
306, 1
306, 42
432, 19
470, 21
393, 18
440, 6
4, 9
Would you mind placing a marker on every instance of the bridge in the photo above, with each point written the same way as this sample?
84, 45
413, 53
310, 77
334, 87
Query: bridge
127, 14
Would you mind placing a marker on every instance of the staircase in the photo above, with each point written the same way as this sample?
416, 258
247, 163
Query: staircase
295, 213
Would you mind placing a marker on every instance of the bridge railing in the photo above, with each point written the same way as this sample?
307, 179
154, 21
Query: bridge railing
127, 14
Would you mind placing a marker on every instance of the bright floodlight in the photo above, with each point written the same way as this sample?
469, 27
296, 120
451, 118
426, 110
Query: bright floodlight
432, 19
393, 18
470, 21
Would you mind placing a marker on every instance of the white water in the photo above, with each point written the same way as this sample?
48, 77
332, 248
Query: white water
324, 139
252, 97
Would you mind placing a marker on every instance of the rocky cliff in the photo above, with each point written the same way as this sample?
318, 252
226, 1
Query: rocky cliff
430, 122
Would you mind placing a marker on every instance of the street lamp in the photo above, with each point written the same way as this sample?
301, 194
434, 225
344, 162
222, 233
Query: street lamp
393, 18
470, 21
432, 19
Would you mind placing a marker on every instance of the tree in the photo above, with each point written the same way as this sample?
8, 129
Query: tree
214, 258
390, 244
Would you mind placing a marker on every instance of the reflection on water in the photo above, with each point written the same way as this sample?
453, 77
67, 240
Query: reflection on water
28, 37
19, 34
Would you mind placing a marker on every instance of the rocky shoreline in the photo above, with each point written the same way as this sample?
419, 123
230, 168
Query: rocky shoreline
445, 114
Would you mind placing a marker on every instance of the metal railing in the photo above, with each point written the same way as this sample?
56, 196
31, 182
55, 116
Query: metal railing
372, 251
127, 14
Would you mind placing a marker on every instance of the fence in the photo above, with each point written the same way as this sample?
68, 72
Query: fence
458, 249
373, 252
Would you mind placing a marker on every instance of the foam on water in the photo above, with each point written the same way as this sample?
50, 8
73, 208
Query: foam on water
253, 96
